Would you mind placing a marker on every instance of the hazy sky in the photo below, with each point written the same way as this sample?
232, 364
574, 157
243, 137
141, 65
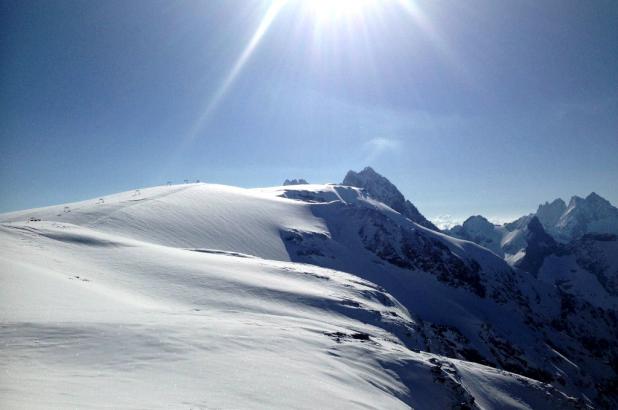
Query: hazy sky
469, 107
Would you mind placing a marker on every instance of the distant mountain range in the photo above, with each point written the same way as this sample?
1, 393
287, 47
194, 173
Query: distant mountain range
592, 214
571, 246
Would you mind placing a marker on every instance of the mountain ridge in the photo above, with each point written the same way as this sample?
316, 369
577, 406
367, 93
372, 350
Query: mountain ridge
592, 214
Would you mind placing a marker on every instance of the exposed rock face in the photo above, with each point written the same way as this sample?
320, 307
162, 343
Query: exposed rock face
410, 249
593, 214
295, 181
381, 189
540, 244
549, 213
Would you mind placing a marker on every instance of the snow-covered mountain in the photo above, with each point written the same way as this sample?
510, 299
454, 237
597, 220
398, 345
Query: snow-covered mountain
479, 230
507, 241
467, 276
570, 248
298, 296
592, 214
381, 189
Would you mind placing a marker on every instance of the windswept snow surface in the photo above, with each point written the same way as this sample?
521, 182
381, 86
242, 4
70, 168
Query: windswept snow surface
185, 297
189, 216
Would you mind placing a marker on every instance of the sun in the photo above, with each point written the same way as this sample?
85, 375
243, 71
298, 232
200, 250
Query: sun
335, 9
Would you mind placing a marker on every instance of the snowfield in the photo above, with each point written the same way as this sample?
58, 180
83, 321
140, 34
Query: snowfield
188, 296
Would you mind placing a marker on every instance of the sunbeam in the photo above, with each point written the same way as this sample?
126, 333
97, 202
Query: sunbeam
323, 12
263, 27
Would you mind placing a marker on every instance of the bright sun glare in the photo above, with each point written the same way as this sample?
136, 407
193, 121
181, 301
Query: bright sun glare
325, 13
333, 9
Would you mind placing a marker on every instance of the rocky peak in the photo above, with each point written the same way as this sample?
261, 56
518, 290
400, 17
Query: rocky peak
383, 190
376, 186
575, 201
593, 196
549, 213
584, 215
478, 222
295, 181
599, 204
536, 233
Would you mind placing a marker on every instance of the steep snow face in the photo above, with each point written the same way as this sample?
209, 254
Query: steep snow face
381, 189
96, 311
359, 225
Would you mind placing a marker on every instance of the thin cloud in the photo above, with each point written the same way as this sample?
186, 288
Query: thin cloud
376, 147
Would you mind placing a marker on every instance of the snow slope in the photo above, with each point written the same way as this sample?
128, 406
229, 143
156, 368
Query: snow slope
189, 216
93, 320
185, 297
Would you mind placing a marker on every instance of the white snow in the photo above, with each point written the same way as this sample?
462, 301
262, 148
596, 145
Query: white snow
106, 305
189, 216
566, 272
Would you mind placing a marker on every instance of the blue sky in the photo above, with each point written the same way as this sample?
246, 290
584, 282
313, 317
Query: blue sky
476, 107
